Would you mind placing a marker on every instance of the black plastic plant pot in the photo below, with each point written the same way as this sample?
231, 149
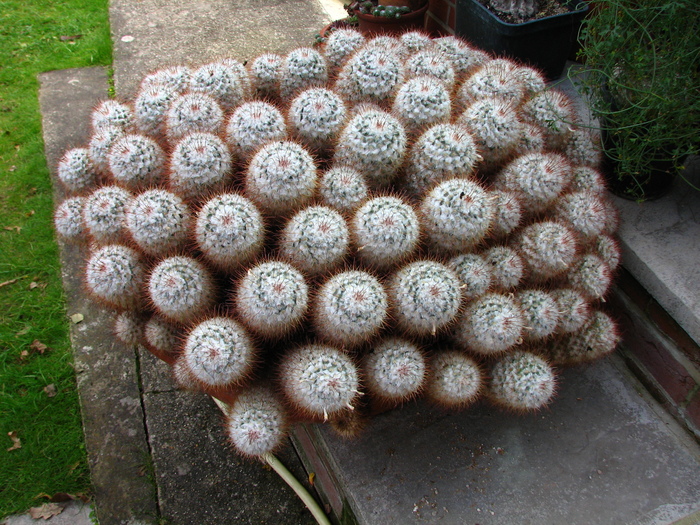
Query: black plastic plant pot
544, 43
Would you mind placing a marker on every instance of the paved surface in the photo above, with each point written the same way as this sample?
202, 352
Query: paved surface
156, 453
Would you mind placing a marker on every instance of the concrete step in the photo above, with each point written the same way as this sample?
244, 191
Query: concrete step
603, 452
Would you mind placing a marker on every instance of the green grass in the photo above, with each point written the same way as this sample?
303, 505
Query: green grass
52, 457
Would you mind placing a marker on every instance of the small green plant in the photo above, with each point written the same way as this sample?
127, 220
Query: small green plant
642, 75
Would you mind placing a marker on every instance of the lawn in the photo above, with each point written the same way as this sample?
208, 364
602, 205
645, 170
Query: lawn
43, 451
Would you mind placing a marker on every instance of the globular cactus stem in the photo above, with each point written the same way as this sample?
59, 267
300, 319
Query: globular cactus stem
158, 221
394, 370
114, 275
522, 381
272, 298
351, 307
456, 380
491, 325
256, 422
319, 380
426, 297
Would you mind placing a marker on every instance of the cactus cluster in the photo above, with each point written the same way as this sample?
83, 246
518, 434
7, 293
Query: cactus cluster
332, 232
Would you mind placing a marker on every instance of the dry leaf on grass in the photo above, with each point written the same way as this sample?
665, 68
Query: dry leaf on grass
35, 284
16, 443
6, 283
50, 390
18, 229
46, 511
38, 346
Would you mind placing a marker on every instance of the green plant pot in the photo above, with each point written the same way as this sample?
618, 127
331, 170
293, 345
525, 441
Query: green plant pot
544, 43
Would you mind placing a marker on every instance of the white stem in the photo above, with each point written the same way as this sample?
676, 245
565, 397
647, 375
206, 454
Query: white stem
289, 478
308, 500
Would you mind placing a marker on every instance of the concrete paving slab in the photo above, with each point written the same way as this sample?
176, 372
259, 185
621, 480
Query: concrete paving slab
149, 34
603, 453
106, 372
660, 248
200, 480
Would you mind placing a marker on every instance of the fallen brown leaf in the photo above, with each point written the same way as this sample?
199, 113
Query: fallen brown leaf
24, 354
312, 478
35, 284
46, 511
69, 38
30, 213
13, 228
23, 331
16, 443
12, 168
77, 318
50, 390
6, 283
38, 346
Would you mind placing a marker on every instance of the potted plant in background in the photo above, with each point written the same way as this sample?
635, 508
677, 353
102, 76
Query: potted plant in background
538, 32
642, 76
388, 16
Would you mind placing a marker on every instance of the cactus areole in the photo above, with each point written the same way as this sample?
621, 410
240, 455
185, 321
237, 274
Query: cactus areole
331, 232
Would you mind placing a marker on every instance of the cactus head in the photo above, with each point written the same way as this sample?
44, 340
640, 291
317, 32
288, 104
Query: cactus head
584, 211
522, 381
229, 230
68, 219
318, 380
596, 339
457, 215
374, 143
541, 312
193, 113
252, 125
461, 55
129, 328
161, 338
495, 78
553, 113
112, 113
549, 248
371, 74
316, 240
421, 102
136, 161
104, 213
394, 370
302, 68
351, 307
181, 289
281, 177
538, 179
386, 231
114, 275
256, 422
507, 267
591, 276
474, 273
432, 64
265, 74
443, 151
455, 380
426, 297
343, 188
218, 353
200, 163
509, 213
272, 298
496, 128
491, 324
341, 44
226, 81
316, 116
158, 221
100, 144
574, 309
76, 171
